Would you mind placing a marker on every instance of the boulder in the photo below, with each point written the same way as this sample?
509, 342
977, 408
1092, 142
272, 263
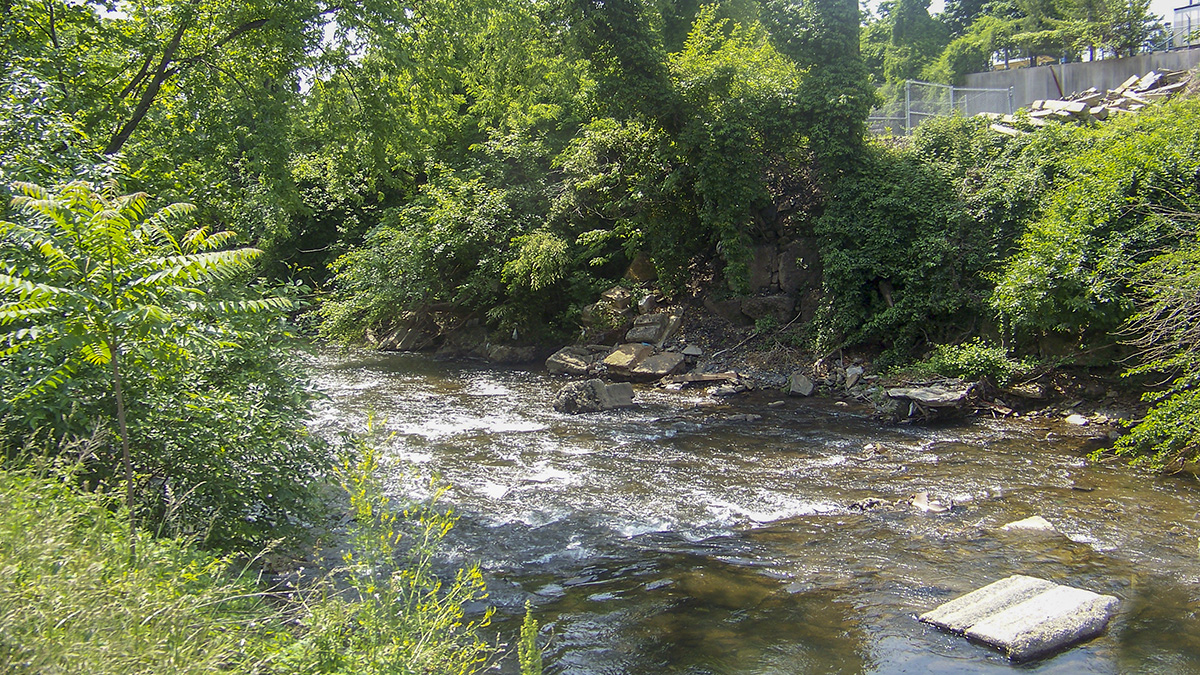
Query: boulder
624, 358
593, 396
647, 328
618, 298
853, 375
762, 267
670, 328
648, 304
730, 310
512, 354
658, 366
641, 269
779, 307
800, 385
572, 361
1026, 617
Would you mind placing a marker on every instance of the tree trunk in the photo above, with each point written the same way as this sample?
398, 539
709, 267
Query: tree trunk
162, 72
126, 461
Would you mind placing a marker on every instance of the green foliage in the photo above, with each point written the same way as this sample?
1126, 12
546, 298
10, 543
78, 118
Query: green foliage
528, 654
402, 618
974, 360
1106, 216
971, 52
903, 262
71, 601
1166, 329
104, 304
835, 95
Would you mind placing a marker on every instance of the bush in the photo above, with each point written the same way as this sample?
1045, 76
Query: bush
974, 360
902, 260
1110, 213
107, 309
1166, 330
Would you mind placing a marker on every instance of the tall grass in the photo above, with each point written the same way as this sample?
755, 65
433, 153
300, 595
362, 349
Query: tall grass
73, 601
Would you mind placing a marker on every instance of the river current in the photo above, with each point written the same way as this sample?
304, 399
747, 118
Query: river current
691, 535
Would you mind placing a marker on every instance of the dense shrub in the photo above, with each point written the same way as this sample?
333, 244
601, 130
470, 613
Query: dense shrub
1166, 330
903, 261
974, 360
1110, 212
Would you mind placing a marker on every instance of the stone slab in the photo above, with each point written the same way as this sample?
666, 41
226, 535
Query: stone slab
1026, 617
627, 356
1046, 622
659, 365
649, 333
934, 397
960, 614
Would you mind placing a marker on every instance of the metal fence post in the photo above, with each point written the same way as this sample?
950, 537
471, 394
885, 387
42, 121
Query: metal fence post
907, 107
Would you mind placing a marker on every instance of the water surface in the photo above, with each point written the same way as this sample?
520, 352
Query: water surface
684, 537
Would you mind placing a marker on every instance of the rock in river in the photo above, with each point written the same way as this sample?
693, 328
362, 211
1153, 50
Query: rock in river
1026, 617
593, 396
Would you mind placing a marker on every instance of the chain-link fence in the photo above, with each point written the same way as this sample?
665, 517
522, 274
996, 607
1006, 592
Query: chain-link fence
923, 100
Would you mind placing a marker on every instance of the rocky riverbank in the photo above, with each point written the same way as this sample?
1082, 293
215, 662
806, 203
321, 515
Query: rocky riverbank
639, 337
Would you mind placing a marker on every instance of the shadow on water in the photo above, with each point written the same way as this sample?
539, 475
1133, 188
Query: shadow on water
685, 537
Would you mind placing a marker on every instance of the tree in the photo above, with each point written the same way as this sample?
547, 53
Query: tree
835, 96
1166, 330
88, 275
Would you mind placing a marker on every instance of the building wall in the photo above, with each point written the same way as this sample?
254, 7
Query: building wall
1031, 84
1187, 21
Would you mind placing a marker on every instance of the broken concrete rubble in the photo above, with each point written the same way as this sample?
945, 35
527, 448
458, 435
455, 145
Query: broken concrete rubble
1133, 95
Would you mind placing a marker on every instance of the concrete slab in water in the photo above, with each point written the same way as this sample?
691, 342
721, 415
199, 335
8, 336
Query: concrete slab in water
1026, 617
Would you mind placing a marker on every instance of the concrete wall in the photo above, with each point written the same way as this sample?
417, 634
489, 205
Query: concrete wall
1031, 84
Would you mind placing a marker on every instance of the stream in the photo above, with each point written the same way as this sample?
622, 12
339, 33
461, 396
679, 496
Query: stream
690, 535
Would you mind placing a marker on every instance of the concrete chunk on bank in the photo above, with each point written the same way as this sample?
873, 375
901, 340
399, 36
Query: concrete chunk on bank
1026, 617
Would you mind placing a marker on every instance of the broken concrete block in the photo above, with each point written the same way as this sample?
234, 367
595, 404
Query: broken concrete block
1026, 617
657, 366
1046, 622
625, 357
960, 614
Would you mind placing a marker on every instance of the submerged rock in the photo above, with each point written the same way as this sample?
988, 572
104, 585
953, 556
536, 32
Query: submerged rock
593, 396
1030, 524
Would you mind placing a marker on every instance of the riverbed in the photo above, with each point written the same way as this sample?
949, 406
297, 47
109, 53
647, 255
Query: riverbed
697, 535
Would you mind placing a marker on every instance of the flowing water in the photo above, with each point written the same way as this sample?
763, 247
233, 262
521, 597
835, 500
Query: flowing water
687, 536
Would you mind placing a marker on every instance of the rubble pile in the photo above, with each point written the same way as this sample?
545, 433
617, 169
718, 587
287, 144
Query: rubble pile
1087, 106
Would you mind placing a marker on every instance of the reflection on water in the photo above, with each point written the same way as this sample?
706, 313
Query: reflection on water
679, 537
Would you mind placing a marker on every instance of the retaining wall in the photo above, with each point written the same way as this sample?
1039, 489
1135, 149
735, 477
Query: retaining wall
1031, 84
